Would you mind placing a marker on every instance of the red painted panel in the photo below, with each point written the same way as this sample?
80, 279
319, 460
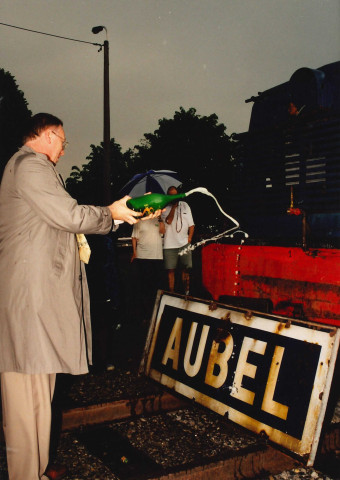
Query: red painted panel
301, 284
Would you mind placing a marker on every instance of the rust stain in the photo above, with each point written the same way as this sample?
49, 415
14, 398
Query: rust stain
279, 327
221, 334
305, 299
263, 434
212, 306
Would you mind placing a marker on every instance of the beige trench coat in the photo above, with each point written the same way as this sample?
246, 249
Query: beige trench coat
44, 301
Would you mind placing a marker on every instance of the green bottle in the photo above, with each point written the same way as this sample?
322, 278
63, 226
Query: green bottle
148, 204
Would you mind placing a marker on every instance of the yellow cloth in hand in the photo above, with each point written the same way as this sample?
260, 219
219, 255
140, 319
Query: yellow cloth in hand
83, 247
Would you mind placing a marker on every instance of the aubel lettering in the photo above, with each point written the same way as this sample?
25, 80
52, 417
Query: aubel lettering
248, 370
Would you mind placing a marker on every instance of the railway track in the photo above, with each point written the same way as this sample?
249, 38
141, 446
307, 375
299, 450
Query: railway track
159, 436
163, 437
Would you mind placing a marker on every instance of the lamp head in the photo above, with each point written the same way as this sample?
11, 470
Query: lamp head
98, 29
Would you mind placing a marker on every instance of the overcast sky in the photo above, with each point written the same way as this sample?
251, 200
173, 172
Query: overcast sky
164, 54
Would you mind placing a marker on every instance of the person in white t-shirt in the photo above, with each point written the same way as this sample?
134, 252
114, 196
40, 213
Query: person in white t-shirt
179, 229
147, 254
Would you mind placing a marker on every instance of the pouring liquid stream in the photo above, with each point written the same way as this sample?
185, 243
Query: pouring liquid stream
227, 233
154, 201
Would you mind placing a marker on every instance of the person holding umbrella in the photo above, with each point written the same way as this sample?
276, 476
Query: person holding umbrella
179, 229
147, 240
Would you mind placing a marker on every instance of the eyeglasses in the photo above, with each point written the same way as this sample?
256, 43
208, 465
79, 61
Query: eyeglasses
65, 143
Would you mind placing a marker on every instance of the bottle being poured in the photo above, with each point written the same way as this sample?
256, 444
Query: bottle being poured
148, 204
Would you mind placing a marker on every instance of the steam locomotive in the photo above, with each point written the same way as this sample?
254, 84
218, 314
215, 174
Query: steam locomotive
286, 195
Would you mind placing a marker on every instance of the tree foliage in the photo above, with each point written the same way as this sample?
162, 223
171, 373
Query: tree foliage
198, 148
194, 146
85, 183
14, 113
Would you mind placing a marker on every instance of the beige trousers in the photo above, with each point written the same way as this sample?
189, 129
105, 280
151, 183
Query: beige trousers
26, 411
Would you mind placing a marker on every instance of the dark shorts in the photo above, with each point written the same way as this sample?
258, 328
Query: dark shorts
172, 258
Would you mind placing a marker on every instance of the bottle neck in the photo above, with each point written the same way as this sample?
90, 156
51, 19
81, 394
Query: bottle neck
178, 196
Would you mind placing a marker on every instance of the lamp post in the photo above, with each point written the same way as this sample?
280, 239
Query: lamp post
106, 162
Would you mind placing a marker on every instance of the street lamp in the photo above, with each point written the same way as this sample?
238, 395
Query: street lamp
106, 164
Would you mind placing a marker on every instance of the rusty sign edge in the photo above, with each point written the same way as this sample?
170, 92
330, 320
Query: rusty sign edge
300, 447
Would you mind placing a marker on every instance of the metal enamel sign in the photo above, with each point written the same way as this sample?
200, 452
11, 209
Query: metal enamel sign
269, 374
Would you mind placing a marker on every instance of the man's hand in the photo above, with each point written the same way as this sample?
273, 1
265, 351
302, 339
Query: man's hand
120, 211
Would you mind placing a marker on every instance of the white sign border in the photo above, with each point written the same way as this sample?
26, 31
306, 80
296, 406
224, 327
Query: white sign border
327, 337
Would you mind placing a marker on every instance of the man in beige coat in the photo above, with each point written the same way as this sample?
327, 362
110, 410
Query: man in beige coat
44, 303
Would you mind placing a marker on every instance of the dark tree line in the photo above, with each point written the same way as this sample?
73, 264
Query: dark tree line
195, 146
85, 182
14, 113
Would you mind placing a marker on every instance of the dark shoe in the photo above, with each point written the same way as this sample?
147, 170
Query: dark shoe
55, 471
